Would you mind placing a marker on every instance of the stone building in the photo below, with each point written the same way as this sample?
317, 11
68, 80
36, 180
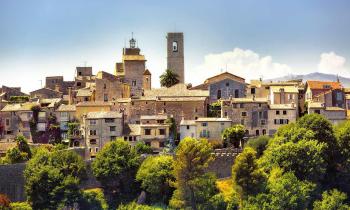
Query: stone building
17, 119
250, 112
45, 93
177, 101
83, 76
223, 86
154, 131
280, 114
64, 115
210, 128
334, 114
331, 92
7, 92
100, 128
58, 84
175, 54
109, 87
147, 80
132, 68
83, 108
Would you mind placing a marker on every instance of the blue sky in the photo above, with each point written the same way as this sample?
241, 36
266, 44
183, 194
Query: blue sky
253, 38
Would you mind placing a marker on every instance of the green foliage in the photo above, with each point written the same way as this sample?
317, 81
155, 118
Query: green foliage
4, 202
20, 206
172, 128
194, 187
332, 200
248, 179
72, 127
304, 158
135, 206
343, 141
114, 166
20, 153
214, 109
19, 99
156, 175
93, 199
169, 78
142, 148
52, 179
283, 191
233, 135
259, 144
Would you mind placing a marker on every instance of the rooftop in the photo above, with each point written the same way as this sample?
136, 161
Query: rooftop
287, 89
19, 107
132, 130
93, 103
212, 119
103, 115
154, 117
188, 122
66, 108
84, 92
178, 90
314, 84
282, 106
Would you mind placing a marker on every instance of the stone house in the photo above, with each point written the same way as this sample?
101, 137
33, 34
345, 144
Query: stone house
7, 92
57, 83
210, 128
109, 87
224, 86
83, 108
100, 128
280, 114
83, 76
64, 115
45, 93
154, 131
250, 112
177, 101
325, 91
85, 94
334, 114
132, 133
16, 120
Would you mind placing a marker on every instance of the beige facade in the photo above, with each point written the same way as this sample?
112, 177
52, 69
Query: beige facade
154, 131
280, 114
211, 128
334, 114
83, 108
100, 128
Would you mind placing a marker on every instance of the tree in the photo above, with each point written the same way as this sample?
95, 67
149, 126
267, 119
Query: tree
248, 179
284, 191
4, 202
135, 206
169, 78
142, 148
52, 179
156, 176
259, 144
304, 158
193, 185
233, 135
93, 199
332, 200
115, 166
20, 153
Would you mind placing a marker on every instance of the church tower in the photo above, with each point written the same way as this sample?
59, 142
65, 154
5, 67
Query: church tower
175, 48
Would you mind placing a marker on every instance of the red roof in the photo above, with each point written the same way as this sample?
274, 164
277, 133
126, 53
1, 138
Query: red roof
326, 85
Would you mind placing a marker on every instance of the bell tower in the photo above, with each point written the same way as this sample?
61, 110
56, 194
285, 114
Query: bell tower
175, 53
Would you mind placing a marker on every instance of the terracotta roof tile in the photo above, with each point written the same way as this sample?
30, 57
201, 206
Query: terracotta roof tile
313, 84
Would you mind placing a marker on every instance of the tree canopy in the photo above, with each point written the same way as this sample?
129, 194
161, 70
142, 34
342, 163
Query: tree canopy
233, 135
169, 78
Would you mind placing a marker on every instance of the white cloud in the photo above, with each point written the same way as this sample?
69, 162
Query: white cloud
245, 63
331, 63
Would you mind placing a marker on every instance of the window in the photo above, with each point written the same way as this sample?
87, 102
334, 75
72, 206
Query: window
241, 106
162, 131
188, 127
339, 96
96, 149
79, 73
260, 115
105, 97
195, 110
252, 91
242, 121
284, 112
109, 120
78, 84
276, 122
113, 138
112, 128
218, 95
92, 122
175, 49
227, 84
93, 132
281, 121
164, 110
236, 93
133, 83
264, 131
277, 112
86, 98
317, 111
64, 114
225, 114
7, 122
259, 104
244, 114
93, 141
204, 124
257, 132
147, 132
234, 106
263, 122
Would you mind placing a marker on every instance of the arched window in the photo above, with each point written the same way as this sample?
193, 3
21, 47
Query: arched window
264, 131
175, 49
218, 96
257, 133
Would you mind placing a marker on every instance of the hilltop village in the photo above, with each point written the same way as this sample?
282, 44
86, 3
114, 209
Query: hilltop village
98, 107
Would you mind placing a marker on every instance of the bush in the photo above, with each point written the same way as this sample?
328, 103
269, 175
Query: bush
4, 201
142, 148
93, 199
258, 144
20, 206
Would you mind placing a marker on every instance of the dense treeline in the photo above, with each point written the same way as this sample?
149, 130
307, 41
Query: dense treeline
306, 165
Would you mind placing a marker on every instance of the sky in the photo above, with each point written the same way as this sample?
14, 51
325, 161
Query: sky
249, 38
